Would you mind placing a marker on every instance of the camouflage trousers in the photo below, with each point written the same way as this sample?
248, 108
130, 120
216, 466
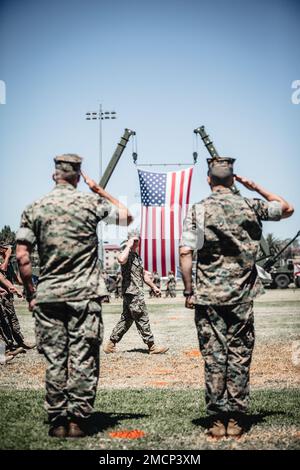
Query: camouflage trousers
226, 339
5, 331
170, 292
10, 326
69, 335
134, 310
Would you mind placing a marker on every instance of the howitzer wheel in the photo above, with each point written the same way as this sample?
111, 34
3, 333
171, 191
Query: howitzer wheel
297, 282
282, 281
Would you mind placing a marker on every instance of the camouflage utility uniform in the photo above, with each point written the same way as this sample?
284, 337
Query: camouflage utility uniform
230, 228
118, 286
171, 286
134, 307
68, 312
156, 282
6, 335
9, 312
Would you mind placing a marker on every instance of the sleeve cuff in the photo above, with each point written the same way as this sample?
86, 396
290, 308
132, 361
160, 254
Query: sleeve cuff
274, 210
25, 235
189, 239
112, 215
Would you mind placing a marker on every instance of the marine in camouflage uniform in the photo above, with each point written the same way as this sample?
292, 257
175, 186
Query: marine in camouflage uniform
225, 230
134, 306
171, 285
6, 336
66, 306
157, 282
6, 340
9, 312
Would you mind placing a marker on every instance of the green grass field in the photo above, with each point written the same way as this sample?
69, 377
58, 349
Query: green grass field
163, 396
169, 419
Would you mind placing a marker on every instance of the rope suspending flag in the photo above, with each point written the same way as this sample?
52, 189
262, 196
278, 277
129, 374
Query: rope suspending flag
164, 198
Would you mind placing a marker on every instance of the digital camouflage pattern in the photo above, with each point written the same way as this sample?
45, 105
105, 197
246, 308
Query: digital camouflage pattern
118, 286
226, 339
230, 227
69, 335
134, 310
225, 229
171, 286
156, 280
10, 320
133, 274
63, 225
134, 307
6, 336
68, 319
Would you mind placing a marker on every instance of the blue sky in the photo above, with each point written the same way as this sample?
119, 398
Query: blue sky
166, 67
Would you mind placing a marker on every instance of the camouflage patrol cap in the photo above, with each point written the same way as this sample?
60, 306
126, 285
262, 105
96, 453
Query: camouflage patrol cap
220, 167
68, 163
132, 234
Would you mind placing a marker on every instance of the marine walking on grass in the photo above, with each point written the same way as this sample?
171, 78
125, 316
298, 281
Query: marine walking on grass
15, 341
225, 230
134, 306
67, 302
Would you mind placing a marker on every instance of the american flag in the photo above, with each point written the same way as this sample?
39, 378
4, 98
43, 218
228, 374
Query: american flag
164, 198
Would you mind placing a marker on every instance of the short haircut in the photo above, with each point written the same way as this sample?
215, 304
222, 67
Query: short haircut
226, 182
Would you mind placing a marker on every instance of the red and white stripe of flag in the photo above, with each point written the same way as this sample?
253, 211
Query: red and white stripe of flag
161, 227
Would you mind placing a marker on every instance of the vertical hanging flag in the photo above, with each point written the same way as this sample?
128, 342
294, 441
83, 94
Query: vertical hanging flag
164, 199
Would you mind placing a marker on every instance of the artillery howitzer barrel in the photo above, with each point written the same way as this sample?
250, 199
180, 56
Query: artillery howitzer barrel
272, 260
116, 157
207, 141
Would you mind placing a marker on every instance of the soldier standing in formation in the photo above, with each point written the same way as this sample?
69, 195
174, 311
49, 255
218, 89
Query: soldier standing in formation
7, 336
17, 344
66, 304
134, 307
171, 285
157, 282
225, 230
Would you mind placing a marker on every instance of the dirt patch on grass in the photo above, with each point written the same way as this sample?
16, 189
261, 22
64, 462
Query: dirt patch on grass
271, 367
277, 330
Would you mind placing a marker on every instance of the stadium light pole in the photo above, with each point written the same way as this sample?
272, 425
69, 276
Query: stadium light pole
100, 116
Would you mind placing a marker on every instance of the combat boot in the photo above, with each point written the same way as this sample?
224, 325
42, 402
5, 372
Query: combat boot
153, 349
234, 428
19, 350
58, 428
8, 358
217, 429
110, 347
75, 430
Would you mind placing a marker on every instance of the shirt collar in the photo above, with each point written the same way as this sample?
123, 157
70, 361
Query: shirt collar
67, 186
222, 190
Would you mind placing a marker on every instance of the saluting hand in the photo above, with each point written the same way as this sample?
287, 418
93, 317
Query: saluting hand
91, 183
246, 182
